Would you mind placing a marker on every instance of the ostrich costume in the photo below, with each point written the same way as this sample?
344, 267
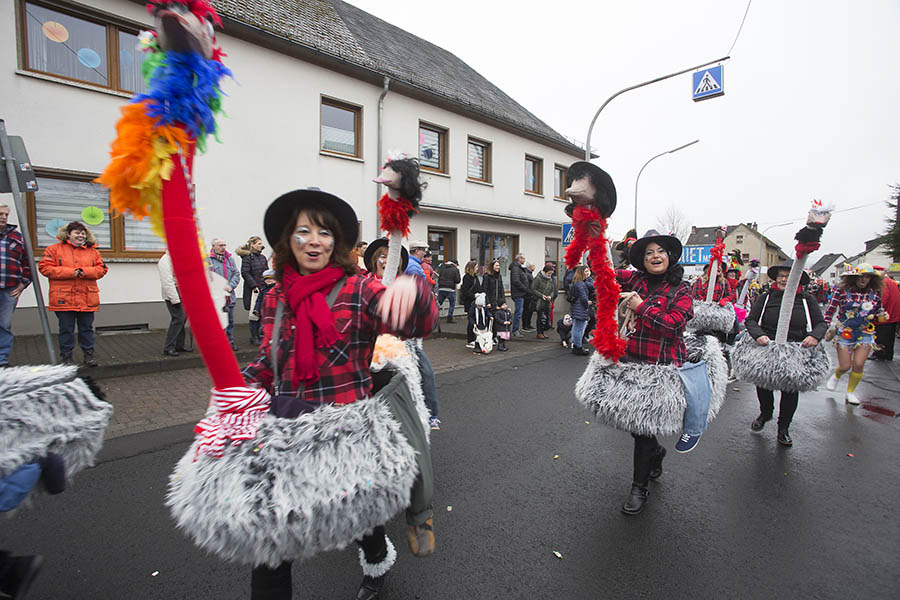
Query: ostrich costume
252, 488
710, 316
640, 398
784, 365
49, 409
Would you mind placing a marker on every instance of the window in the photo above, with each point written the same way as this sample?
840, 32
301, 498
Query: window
341, 128
442, 244
486, 247
479, 161
739, 239
533, 175
432, 148
551, 252
745, 256
83, 47
62, 198
559, 182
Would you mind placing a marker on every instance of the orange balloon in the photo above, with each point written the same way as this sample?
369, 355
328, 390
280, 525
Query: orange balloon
55, 32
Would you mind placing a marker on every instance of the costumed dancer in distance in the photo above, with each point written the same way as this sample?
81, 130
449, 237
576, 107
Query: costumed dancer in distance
792, 361
853, 312
643, 393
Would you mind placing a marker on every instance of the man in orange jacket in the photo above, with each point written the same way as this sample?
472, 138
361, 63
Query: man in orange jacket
73, 266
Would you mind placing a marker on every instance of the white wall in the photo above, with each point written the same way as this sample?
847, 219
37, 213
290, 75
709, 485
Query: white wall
271, 145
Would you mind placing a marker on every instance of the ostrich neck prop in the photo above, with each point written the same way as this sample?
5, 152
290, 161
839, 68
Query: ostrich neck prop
807, 242
152, 158
752, 274
715, 259
395, 210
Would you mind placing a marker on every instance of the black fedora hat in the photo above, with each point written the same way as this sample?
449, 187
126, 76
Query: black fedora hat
606, 189
381, 243
787, 264
669, 242
281, 209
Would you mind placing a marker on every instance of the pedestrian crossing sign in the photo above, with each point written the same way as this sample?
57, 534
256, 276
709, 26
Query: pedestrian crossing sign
568, 234
709, 83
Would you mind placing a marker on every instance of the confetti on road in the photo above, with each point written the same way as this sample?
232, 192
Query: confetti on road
850, 454
736, 389
587, 422
449, 509
557, 555
555, 456
154, 573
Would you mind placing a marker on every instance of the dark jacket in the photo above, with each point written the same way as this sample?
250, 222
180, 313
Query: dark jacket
768, 324
253, 265
543, 285
530, 299
581, 308
448, 277
501, 316
470, 286
564, 331
518, 281
481, 319
492, 286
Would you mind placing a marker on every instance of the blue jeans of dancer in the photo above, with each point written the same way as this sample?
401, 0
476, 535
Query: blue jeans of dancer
697, 393
67, 321
229, 329
428, 386
7, 306
578, 327
517, 317
442, 294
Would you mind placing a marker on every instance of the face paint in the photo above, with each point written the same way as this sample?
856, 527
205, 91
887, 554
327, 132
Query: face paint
299, 239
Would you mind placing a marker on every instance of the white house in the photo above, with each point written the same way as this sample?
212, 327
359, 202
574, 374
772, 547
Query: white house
322, 92
829, 266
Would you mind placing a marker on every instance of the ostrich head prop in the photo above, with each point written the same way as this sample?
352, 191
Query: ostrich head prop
404, 191
185, 26
589, 185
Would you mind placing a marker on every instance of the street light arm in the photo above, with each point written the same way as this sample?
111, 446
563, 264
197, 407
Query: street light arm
638, 178
587, 145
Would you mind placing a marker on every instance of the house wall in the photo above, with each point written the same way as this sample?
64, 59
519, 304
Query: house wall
271, 145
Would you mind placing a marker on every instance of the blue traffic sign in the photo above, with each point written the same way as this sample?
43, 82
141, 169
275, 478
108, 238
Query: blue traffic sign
709, 83
568, 234
695, 255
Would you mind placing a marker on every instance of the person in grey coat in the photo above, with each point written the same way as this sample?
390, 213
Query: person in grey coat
448, 279
544, 293
253, 265
222, 263
519, 289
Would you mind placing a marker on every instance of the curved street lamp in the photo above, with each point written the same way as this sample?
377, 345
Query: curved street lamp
644, 167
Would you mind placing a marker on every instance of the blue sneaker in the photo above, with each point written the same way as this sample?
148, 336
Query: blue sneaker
687, 442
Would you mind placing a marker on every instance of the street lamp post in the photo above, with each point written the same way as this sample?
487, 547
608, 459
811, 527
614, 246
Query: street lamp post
762, 237
644, 167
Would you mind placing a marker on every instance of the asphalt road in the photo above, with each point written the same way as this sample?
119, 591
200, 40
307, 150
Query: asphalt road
740, 517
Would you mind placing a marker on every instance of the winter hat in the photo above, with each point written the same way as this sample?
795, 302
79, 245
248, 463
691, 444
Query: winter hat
269, 274
414, 244
480, 299
669, 242
567, 320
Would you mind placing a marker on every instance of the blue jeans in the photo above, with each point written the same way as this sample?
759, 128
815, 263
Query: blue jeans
445, 294
428, 386
7, 306
67, 320
517, 317
697, 393
578, 327
229, 329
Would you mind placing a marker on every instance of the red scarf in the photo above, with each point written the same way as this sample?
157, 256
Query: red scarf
306, 297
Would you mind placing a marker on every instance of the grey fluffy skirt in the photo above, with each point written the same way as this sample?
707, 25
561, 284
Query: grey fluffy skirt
47, 409
709, 316
303, 486
787, 367
649, 399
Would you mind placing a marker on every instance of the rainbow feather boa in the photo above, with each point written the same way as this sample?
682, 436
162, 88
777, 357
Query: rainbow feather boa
179, 109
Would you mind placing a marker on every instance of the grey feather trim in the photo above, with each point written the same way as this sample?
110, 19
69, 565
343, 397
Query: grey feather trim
380, 568
46, 409
303, 486
649, 399
788, 367
709, 316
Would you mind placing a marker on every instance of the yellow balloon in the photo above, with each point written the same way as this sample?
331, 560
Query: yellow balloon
55, 32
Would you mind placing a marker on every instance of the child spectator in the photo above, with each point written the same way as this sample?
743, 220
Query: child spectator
503, 319
482, 325
564, 329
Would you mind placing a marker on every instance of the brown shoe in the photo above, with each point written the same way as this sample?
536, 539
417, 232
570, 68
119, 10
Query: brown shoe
541, 336
421, 538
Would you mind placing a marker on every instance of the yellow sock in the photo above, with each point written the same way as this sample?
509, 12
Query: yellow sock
854, 380
838, 373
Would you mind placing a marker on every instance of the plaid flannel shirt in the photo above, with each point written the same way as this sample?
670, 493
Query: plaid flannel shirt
659, 335
14, 267
842, 297
343, 367
721, 290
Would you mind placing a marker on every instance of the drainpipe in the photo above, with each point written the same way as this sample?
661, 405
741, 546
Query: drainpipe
378, 192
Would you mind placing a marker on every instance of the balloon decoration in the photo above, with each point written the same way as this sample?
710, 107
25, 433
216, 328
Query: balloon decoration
55, 32
92, 215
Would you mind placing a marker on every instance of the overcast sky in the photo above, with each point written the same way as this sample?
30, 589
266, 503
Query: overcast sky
811, 109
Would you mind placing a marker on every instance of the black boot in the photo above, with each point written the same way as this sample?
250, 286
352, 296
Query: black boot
759, 422
784, 438
67, 359
579, 351
636, 501
656, 463
89, 358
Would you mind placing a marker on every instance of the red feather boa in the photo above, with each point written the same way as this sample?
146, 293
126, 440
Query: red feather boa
394, 214
804, 248
717, 252
606, 334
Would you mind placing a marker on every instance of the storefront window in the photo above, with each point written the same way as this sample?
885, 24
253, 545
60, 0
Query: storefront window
442, 244
486, 247
551, 252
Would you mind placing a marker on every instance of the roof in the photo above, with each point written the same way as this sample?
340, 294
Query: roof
874, 243
363, 41
824, 262
706, 236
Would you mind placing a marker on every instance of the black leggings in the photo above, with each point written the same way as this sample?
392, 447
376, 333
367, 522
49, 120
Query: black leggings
275, 584
645, 448
786, 408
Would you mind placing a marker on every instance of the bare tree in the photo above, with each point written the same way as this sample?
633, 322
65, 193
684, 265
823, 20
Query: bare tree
673, 221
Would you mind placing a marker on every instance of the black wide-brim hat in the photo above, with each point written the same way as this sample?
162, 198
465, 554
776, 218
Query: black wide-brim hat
381, 243
282, 208
606, 189
773, 270
669, 242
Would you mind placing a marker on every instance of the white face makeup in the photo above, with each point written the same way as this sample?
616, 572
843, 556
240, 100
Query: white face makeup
656, 259
312, 245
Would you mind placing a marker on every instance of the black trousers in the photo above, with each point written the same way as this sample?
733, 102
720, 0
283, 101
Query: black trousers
543, 319
470, 324
527, 312
786, 408
885, 336
276, 584
175, 334
645, 448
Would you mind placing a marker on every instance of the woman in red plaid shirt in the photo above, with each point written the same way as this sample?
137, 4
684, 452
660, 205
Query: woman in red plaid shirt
662, 305
324, 352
